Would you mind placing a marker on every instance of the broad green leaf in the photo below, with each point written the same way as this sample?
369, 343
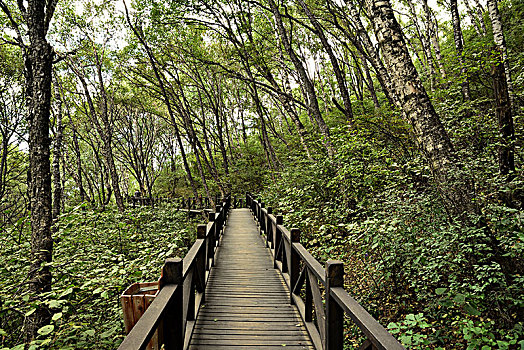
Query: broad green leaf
471, 310
45, 330
30, 312
440, 291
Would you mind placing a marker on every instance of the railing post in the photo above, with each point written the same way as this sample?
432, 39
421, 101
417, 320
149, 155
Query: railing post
211, 242
267, 224
173, 320
293, 262
276, 236
261, 216
334, 314
218, 222
201, 262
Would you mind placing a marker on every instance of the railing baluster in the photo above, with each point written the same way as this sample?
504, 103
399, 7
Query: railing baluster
334, 328
293, 262
173, 328
277, 237
211, 242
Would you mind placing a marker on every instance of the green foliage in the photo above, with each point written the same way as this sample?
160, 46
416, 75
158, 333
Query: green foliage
374, 207
97, 255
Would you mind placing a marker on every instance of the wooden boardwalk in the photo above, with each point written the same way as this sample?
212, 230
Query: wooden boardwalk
247, 302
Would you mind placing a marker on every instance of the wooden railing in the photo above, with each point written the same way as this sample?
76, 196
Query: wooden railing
135, 201
182, 290
190, 203
318, 293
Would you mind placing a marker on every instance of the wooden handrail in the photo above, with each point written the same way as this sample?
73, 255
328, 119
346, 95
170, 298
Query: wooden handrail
182, 289
289, 256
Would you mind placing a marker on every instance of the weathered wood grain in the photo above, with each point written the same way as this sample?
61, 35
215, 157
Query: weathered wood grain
247, 301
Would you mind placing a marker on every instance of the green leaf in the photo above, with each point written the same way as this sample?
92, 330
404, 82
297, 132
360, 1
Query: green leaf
440, 291
471, 310
45, 330
66, 292
30, 312
54, 304
459, 298
2, 333
56, 316
89, 332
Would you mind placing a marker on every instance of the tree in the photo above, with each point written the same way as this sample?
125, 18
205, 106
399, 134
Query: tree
417, 108
38, 62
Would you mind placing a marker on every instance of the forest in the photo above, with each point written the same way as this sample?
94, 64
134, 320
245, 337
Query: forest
389, 132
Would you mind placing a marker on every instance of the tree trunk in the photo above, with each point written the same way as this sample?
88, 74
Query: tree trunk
365, 46
369, 81
77, 176
426, 49
164, 93
500, 41
38, 73
506, 152
459, 46
432, 32
341, 81
313, 107
418, 110
107, 137
57, 156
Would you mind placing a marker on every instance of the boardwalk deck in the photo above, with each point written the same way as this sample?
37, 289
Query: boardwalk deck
247, 302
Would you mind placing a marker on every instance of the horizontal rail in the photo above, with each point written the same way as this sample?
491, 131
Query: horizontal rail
373, 330
182, 289
323, 313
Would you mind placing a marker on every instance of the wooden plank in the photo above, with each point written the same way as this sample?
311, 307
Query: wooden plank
247, 301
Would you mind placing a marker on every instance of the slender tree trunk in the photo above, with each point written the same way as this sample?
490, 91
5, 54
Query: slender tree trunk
285, 100
57, 156
459, 46
426, 49
369, 81
364, 45
473, 18
313, 107
166, 100
341, 81
418, 110
506, 152
78, 177
500, 41
432, 32
103, 129
107, 137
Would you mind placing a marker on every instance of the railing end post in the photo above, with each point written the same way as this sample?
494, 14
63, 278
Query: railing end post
201, 231
335, 273
295, 235
171, 272
334, 326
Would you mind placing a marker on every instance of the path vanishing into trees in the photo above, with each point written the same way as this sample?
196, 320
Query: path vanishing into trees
248, 283
247, 301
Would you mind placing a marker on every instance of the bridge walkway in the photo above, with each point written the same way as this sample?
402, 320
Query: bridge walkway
247, 301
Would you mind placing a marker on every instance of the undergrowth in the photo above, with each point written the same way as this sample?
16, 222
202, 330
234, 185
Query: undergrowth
96, 256
435, 283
